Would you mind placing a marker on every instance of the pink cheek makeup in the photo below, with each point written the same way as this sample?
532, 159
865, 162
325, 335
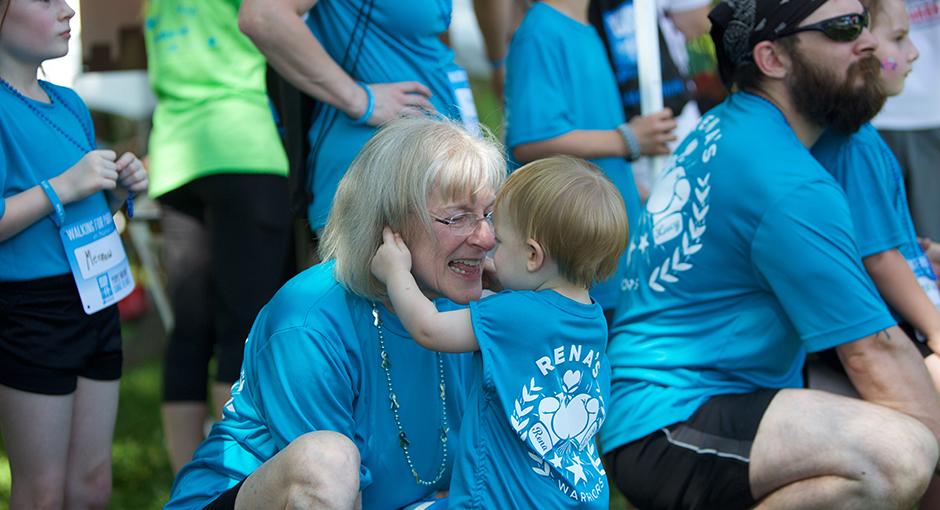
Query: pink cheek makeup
889, 64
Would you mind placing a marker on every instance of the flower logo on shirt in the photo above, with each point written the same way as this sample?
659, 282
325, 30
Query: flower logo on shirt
559, 426
677, 209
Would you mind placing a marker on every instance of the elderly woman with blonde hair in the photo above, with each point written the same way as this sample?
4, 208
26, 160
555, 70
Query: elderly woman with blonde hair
337, 407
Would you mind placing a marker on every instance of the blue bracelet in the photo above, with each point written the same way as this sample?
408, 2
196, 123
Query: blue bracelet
130, 204
633, 145
369, 106
497, 63
58, 216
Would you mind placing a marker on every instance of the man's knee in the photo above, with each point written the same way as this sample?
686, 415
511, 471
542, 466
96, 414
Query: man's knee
324, 459
906, 464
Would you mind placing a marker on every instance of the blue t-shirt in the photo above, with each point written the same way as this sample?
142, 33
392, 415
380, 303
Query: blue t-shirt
375, 42
743, 261
541, 385
312, 362
871, 177
558, 80
33, 149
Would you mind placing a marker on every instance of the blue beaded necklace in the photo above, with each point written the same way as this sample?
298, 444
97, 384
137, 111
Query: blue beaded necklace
55, 99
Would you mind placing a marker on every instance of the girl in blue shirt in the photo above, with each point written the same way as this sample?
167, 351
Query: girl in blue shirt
60, 344
541, 378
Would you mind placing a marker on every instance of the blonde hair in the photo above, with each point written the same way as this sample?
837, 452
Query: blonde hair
572, 209
388, 184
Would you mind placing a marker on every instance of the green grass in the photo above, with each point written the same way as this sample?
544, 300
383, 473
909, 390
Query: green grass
142, 475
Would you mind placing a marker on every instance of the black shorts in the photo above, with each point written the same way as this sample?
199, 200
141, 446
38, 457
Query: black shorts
226, 500
47, 341
699, 463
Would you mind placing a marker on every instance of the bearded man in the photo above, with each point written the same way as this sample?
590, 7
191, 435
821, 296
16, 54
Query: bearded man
744, 261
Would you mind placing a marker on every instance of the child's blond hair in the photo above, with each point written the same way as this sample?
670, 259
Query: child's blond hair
573, 211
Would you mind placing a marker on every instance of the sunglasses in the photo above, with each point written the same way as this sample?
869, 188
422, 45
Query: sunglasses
845, 28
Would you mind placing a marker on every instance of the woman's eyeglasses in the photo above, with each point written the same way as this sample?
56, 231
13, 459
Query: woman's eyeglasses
845, 28
465, 223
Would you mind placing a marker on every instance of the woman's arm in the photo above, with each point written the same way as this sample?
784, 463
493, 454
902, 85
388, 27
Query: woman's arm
95, 172
438, 331
494, 18
276, 28
899, 288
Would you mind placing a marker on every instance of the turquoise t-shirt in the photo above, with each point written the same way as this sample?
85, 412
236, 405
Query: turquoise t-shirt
33, 149
558, 80
871, 177
743, 261
312, 363
376, 42
540, 393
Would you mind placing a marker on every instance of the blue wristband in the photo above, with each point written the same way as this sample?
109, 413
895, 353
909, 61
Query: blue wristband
633, 145
130, 204
58, 210
369, 106
497, 63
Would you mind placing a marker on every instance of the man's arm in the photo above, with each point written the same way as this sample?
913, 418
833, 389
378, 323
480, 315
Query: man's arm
886, 369
900, 290
276, 28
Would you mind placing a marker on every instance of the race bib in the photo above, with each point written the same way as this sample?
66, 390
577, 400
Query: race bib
98, 261
460, 84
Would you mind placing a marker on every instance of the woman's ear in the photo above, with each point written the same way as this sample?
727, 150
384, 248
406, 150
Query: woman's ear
535, 258
771, 59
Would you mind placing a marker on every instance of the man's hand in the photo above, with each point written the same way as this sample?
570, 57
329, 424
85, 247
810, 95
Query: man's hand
392, 256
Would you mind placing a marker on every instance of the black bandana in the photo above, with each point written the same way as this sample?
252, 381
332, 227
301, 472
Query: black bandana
738, 25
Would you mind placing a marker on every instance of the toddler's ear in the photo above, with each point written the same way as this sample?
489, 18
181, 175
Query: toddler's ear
535, 255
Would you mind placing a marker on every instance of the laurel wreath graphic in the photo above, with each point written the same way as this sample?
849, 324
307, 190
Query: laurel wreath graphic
691, 239
541, 465
523, 407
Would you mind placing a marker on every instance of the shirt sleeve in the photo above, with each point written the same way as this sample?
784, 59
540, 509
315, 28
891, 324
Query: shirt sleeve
303, 382
536, 107
503, 333
804, 251
868, 186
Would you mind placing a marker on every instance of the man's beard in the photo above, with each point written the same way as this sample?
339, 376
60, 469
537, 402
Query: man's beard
820, 97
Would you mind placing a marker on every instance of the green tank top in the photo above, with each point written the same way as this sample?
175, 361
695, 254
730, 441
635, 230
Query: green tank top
213, 114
